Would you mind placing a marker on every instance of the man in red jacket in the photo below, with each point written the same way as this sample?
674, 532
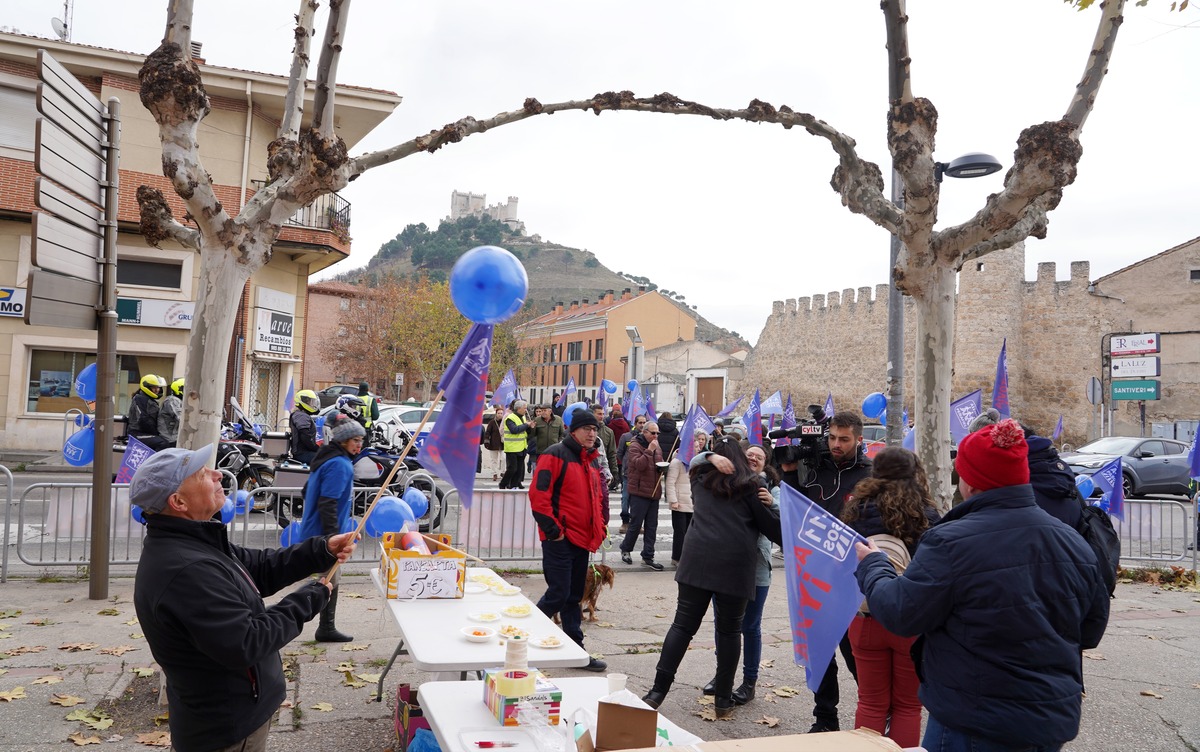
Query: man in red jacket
570, 507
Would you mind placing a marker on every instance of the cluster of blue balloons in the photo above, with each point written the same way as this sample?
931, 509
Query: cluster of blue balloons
571, 410
80, 449
488, 285
393, 514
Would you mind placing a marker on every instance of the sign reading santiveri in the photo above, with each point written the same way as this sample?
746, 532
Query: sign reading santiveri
1142, 389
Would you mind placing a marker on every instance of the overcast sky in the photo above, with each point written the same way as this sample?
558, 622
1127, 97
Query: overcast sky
732, 215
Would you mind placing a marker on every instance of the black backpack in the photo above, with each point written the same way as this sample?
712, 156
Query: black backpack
1097, 529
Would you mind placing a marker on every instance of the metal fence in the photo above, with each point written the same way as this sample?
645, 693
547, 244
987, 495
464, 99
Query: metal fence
1159, 532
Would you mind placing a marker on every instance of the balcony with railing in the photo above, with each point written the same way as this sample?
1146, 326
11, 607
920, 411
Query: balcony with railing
329, 212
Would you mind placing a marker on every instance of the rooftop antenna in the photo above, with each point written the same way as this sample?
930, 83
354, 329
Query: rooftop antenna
62, 26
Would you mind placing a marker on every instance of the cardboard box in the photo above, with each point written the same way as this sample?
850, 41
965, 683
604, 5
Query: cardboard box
546, 696
620, 727
411, 574
859, 740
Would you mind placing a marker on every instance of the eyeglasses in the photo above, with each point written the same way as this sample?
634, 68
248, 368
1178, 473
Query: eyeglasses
652, 433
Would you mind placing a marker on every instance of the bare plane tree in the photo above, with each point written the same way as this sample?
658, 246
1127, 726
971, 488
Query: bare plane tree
305, 163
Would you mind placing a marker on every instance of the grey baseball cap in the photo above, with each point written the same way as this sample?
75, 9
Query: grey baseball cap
161, 474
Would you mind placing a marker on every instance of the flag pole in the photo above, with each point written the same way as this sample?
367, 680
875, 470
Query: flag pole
441, 545
658, 482
388, 481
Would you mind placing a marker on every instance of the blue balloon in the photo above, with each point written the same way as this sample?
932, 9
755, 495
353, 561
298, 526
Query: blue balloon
910, 440
874, 404
1085, 484
83, 421
319, 422
85, 384
136, 512
80, 448
242, 503
288, 535
609, 387
350, 526
417, 501
488, 284
227, 512
389, 516
571, 410
631, 385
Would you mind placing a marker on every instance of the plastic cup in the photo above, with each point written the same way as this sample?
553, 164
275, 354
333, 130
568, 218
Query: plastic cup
616, 682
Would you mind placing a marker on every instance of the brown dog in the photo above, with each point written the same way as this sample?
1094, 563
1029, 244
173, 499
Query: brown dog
598, 575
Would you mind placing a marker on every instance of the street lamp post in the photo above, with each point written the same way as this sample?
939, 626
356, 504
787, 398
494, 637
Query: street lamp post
974, 165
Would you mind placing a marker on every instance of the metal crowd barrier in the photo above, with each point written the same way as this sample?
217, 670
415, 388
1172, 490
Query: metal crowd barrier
7, 477
1159, 532
497, 527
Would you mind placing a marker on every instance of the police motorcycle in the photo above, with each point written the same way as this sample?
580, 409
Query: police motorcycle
372, 467
240, 452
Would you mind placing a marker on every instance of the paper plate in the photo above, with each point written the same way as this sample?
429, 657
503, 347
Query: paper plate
475, 587
485, 616
518, 611
547, 643
505, 589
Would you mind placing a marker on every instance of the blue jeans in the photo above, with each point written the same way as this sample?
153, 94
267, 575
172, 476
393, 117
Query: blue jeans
624, 500
643, 515
940, 738
564, 565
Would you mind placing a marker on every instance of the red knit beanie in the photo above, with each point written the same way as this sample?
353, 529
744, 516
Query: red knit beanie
994, 456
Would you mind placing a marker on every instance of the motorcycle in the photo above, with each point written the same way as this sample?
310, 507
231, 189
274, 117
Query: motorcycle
253, 470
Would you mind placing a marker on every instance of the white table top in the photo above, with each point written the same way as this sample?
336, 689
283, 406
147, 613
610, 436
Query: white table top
458, 717
430, 629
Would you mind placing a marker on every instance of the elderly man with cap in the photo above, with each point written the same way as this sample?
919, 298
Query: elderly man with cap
1004, 597
199, 601
570, 507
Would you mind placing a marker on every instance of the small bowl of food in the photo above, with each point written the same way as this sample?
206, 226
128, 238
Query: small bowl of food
484, 616
508, 630
518, 610
505, 589
547, 643
478, 634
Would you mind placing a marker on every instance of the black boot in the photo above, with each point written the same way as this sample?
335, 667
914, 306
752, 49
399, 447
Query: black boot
723, 706
326, 631
711, 687
744, 693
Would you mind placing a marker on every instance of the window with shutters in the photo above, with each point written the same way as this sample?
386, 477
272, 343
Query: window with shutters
18, 111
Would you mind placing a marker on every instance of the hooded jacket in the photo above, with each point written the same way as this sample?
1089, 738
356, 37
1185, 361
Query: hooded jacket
567, 495
199, 601
328, 494
1052, 480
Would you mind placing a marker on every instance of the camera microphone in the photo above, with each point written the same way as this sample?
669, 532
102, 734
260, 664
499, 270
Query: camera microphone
779, 433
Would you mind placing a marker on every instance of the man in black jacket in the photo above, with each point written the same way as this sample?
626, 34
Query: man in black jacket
828, 485
199, 601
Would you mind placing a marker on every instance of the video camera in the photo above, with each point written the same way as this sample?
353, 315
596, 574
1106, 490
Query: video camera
811, 439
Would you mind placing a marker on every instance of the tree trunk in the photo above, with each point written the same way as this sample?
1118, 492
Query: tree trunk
934, 369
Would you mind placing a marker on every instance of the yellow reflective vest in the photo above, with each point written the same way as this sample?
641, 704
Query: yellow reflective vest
516, 439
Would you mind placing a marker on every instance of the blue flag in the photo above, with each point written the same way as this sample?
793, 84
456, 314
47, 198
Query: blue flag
753, 420
507, 391
289, 400
789, 421
1058, 429
602, 400
1194, 459
453, 444
637, 405
135, 454
962, 411
563, 398
1109, 480
728, 409
697, 420
823, 596
773, 405
1000, 385
829, 405
650, 414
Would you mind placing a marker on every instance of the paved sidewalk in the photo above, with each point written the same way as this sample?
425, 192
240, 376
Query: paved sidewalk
1143, 681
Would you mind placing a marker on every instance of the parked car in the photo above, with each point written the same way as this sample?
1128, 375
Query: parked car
330, 394
1149, 465
407, 417
874, 438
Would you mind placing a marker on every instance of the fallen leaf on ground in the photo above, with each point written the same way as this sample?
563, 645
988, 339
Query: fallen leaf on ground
47, 680
162, 718
79, 714
80, 740
709, 713
1151, 637
154, 739
766, 684
75, 647
345, 666
767, 664
1150, 693
99, 724
354, 595
786, 691
132, 621
324, 707
1196, 686
3, 671
4, 636
3, 627
286, 704
114, 738
118, 650
25, 649
349, 680
370, 677
67, 701
770, 698
1095, 656
662, 616
136, 636
10, 614
16, 693
706, 700
108, 612
768, 721
351, 648
142, 671
604, 624
41, 622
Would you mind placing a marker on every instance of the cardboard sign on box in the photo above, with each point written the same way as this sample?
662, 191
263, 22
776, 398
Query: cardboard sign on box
620, 727
411, 574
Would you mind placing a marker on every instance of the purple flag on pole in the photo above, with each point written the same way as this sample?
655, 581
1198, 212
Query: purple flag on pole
452, 447
289, 400
962, 411
773, 405
829, 405
650, 414
1194, 459
135, 454
789, 421
636, 405
1000, 386
507, 391
823, 596
602, 400
1109, 480
1058, 429
697, 420
563, 398
728, 409
753, 420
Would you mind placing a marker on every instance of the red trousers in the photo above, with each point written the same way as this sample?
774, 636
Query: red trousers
887, 682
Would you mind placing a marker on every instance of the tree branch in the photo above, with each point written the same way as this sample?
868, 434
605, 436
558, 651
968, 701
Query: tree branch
1097, 66
179, 26
895, 19
858, 181
1033, 224
293, 106
159, 224
331, 52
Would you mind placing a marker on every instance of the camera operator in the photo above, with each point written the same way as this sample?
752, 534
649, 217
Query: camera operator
828, 478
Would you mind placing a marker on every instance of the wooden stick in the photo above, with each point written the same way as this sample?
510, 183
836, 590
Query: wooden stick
658, 482
388, 481
447, 547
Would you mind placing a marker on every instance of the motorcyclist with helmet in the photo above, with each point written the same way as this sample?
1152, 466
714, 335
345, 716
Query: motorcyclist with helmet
143, 412
170, 413
303, 442
370, 405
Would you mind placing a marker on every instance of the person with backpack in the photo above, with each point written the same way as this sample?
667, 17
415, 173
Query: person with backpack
892, 508
1004, 598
